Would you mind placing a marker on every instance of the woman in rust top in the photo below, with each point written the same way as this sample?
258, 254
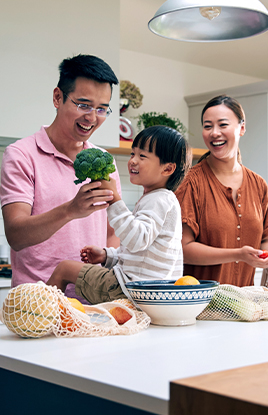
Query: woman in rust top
224, 205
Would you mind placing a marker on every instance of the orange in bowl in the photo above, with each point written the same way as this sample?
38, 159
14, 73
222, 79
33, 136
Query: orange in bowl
187, 280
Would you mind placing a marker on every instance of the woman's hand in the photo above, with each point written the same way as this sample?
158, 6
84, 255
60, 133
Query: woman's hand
93, 255
259, 257
251, 257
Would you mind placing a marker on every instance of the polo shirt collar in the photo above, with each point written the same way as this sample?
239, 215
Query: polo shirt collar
44, 143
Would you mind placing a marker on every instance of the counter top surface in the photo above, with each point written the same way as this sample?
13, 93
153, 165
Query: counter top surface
136, 370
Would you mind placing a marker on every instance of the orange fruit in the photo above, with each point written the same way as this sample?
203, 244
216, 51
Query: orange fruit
67, 321
187, 280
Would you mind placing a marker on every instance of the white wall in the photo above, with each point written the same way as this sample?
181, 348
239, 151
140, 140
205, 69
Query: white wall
35, 37
164, 83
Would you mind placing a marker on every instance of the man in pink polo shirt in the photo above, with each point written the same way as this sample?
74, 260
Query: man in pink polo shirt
47, 217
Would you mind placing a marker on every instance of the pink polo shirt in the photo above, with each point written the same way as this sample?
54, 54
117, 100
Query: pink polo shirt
34, 172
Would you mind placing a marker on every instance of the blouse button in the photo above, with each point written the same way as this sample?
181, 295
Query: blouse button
238, 226
240, 215
238, 238
237, 262
239, 205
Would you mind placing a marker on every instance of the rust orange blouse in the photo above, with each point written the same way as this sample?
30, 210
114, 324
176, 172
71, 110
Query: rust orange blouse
208, 208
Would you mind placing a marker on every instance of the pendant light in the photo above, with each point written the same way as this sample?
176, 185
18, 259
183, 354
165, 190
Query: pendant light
209, 21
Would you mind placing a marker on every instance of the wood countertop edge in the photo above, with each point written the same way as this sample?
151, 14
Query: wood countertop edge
247, 383
125, 148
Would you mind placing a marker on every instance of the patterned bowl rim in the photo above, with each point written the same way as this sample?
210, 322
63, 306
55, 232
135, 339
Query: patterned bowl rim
168, 285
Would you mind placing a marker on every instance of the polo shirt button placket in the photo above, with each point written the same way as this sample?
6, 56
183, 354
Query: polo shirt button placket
239, 216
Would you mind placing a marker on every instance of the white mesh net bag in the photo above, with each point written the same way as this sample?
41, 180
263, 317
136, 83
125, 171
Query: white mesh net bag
36, 310
237, 303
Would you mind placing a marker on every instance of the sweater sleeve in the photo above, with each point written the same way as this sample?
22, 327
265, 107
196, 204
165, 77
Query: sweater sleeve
111, 257
138, 231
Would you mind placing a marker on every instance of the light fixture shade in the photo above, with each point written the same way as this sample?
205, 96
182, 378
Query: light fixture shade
209, 21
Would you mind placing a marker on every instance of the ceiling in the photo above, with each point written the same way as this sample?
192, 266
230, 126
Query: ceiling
247, 56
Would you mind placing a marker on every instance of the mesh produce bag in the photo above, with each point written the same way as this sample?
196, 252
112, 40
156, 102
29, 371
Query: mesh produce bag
237, 303
36, 310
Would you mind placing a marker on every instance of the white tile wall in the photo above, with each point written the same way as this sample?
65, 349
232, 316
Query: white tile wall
130, 192
3, 240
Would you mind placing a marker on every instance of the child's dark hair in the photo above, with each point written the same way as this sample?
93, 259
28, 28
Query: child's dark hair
170, 147
85, 66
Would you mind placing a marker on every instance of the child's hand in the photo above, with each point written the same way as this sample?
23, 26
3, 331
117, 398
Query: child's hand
83, 255
93, 255
111, 185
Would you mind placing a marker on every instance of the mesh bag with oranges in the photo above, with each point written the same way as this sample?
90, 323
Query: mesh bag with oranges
36, 310
237, 303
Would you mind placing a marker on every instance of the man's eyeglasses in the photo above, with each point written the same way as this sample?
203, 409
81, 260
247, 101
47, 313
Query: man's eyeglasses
87, 109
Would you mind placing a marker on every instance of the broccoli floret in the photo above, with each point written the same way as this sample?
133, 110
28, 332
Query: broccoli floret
94, 164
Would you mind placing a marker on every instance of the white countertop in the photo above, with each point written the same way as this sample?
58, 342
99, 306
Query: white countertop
136, 370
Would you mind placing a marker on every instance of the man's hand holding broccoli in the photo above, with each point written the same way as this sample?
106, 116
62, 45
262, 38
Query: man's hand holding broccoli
94, 164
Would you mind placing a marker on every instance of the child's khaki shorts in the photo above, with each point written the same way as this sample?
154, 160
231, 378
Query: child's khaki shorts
98, 285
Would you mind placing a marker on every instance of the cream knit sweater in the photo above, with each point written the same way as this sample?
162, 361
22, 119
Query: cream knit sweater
150, 238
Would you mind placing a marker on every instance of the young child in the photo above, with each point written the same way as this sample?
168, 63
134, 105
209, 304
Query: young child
150, 236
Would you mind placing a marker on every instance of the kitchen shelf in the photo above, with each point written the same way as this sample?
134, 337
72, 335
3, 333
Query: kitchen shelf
125, 149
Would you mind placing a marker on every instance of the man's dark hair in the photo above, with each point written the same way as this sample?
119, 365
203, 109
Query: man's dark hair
85, 66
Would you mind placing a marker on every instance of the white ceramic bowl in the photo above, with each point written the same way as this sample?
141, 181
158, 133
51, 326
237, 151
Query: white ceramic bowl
172, 305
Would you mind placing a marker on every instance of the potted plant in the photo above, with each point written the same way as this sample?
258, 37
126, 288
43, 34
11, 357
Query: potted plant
129, 95
147, 119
